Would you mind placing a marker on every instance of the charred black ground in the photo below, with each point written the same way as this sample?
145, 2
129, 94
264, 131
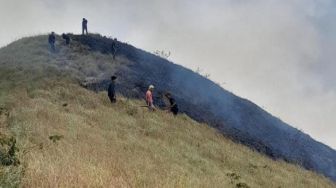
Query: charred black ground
205, 101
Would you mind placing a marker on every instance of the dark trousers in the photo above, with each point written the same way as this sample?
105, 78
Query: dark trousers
114, 51
84, 29
52, 47
112, 99
174, 111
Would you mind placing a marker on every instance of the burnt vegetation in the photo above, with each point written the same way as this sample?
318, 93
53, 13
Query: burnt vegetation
206, 101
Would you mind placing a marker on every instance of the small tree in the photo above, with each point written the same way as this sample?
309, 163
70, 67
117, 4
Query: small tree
198, 70
206, 75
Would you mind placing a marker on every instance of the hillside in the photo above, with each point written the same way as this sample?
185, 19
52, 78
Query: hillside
205, 101
69, 136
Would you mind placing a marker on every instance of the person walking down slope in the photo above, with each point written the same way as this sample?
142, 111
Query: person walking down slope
84, 26
149, 98
111, 90
52, 40
173, 106
66, 38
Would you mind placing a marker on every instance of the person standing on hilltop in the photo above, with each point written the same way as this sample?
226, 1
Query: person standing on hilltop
149, 98
52, 40
84, 26
111, 90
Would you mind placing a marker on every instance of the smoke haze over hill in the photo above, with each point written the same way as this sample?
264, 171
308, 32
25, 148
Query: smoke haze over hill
276, 53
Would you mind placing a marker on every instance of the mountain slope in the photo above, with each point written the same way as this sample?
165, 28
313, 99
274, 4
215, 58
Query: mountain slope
207, 102
124, 145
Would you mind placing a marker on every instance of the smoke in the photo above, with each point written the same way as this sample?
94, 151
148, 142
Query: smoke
277, 53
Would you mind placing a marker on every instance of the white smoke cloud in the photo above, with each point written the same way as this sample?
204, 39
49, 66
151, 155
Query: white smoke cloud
277, 53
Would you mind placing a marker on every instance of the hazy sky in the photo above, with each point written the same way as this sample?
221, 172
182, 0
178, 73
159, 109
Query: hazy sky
278, 53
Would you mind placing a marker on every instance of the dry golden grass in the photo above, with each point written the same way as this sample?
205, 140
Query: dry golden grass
123, 145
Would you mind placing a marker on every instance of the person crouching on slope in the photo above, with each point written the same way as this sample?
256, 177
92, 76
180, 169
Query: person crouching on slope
173, 108
149, 98
66, 38
111, 90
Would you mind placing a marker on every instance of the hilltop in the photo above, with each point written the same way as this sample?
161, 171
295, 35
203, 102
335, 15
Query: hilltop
70, 136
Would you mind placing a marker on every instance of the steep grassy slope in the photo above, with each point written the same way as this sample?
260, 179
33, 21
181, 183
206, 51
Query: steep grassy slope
207, 102
121, 145
124, 145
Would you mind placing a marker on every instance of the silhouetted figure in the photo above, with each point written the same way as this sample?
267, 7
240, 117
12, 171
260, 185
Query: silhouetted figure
114, 48
84, 26
52, 40
66, 38
173, 106
111, 90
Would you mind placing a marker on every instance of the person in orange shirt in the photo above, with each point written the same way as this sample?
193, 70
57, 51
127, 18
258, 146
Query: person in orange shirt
149, 98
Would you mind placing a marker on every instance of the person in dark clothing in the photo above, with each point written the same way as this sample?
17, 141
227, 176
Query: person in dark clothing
52, 40
66, 38
114, 48
84, 26
111, 90
173, 106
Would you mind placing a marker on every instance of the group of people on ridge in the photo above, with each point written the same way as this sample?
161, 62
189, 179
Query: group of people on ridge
52, 37
111, 89
52, 40
172, 107
66, 37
